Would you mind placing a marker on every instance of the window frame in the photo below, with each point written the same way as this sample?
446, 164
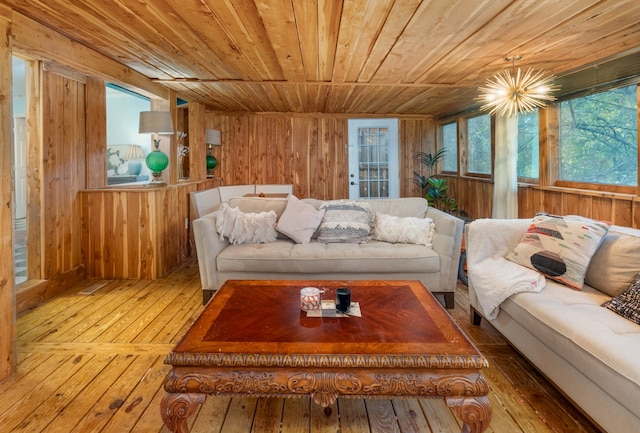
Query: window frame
463, 144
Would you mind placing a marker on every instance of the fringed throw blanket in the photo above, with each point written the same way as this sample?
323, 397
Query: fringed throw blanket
495, 278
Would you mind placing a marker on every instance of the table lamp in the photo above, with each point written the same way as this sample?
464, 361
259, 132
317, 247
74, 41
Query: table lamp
134, 155
155, 123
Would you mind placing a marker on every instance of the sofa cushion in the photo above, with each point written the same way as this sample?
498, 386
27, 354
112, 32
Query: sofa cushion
240, 227
560, 247
408, 230
416, 207
627, 303
285, 256
299, 220
603, 346
345, 221
615, 263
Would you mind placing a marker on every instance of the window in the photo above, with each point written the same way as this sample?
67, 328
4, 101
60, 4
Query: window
598, 137
528, 162
450, 143
123, 114
479, 144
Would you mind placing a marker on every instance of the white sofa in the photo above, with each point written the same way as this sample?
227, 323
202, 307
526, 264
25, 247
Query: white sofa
436, 268
589, 352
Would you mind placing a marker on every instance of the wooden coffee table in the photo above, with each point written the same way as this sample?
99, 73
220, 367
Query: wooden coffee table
253, 339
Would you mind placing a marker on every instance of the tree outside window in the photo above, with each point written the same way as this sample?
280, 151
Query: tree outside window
450, 144
479, 144
528, 155
599, 138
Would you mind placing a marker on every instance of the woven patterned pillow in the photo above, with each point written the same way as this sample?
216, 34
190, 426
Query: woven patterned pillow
560, 247
627, 303
345, 221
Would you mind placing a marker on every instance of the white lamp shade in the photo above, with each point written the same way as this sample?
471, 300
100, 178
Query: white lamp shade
213, 137
155, 122
134, 151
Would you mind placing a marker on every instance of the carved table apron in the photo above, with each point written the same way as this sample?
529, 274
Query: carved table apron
252, 339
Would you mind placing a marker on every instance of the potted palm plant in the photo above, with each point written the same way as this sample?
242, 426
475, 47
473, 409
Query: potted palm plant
435, 189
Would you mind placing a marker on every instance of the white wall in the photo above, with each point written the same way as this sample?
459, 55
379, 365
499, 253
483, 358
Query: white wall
123, 113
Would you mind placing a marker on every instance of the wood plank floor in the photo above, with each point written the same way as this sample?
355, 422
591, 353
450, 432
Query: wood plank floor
94, 363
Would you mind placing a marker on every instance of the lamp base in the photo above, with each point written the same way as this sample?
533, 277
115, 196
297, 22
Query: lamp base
157, 178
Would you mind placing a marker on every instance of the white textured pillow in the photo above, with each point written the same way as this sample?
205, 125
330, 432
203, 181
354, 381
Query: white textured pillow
299, 220
243, 228
407, 230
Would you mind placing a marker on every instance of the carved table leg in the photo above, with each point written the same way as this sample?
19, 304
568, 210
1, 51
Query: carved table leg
176, 408
475, 412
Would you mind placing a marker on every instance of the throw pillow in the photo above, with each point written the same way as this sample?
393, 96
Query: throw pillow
560, 247
299, 220
407, 230
615, 263
240, 227
627, 303
345, 221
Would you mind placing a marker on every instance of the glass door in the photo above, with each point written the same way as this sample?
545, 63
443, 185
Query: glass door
373, 158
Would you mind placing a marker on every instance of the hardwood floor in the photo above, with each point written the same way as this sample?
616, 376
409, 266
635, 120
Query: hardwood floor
94, 363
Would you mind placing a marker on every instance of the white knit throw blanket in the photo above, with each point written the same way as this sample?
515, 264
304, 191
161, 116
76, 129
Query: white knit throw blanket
495, 278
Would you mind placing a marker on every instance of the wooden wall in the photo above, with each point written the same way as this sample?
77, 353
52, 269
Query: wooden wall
475, 196
307, 150
63, 174
7, 295
137, 233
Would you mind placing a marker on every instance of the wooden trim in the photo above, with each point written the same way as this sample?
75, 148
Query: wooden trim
34, 292
462, 146
548, 142
38, 41
197, 145
35, 192
96, 132
7, 295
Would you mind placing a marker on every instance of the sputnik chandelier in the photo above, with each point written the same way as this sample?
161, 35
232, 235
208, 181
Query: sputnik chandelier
510, 92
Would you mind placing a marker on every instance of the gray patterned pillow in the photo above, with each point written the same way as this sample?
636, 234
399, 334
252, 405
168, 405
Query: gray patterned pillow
627, 303
345, 221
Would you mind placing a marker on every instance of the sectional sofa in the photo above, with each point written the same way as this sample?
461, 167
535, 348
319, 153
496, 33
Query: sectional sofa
591, 353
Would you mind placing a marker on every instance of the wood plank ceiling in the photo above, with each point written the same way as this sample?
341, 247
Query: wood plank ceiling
374, 57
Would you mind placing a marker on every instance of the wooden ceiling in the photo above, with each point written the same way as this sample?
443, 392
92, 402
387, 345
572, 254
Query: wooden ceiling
375, 57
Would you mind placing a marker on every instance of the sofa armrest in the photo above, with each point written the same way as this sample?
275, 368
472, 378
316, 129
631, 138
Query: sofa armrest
503, 236
447, 242
208, 246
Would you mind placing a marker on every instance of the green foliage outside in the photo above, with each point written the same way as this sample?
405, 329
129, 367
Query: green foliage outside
479, 144
599, 138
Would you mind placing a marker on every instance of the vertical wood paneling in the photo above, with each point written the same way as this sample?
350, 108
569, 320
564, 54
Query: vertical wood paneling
33, 78
474, 196
310, 151
96, 135
137, 233
197, 145
7, 294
